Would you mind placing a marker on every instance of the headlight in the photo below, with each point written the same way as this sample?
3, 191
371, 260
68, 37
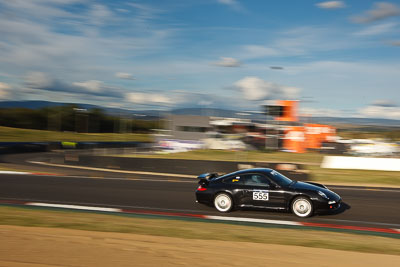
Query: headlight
322, 194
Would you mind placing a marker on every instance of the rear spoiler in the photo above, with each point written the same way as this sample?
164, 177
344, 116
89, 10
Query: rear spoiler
205, 177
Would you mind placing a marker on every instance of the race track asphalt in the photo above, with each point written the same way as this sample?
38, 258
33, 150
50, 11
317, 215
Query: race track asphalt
369, 207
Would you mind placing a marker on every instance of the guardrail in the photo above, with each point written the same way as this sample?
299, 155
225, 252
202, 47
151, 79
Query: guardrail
25, 147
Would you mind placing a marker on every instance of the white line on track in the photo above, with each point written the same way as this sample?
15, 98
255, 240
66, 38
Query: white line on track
119, 207
220, 218
75, 207
101, 204
14, 172
208, 217
252, 220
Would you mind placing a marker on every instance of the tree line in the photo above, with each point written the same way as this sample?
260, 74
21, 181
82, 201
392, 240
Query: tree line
74, 119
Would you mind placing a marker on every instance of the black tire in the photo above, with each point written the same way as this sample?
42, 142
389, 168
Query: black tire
302, 207
223, 202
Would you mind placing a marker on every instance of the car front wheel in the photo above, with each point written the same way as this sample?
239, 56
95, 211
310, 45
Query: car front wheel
223, 202
302, 207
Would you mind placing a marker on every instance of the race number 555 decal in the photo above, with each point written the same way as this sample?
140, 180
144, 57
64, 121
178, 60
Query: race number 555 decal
261, 195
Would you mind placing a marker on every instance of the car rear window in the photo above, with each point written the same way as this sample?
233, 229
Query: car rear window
256, 179
233, 180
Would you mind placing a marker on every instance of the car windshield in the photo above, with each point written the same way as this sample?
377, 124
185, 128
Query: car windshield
280, 179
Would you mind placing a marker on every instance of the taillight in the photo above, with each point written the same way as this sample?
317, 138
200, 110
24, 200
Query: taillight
200, 188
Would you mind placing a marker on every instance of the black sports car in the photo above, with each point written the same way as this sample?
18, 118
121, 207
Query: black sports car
264, 188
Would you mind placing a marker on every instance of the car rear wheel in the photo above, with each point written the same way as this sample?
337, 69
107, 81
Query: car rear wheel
223, 202
302, 207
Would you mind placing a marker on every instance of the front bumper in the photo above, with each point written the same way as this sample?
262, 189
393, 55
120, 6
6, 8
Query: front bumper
328, 205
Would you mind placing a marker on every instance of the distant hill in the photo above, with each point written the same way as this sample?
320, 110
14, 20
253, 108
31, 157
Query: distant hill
206, 112
358, 121
32, 104
156, 114
261, 117
37, 104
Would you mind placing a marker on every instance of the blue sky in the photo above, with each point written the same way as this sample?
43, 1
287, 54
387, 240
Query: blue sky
339, 58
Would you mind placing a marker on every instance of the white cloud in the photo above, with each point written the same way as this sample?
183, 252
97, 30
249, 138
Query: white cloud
183, 99
4, 93
91, 86
290, 92
144, 13
232, 3
41, 9
378, 29
38, 80
300, 41
380, 10
4, 86
254, 88
331, 4
205, 103
124, 75
137, 98
228, 62
386, 112
45, 82
122, 10
148, 98
99, 14
66, 47
58, 35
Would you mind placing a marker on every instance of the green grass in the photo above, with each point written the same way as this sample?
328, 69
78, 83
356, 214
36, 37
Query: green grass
310, 160
361, 177
198, 230
8, 134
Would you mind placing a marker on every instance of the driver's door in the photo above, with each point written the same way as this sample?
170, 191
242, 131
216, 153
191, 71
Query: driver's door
261, 192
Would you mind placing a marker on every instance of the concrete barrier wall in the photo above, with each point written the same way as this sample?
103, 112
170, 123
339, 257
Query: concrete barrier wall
361, 163
180, 166
28, 147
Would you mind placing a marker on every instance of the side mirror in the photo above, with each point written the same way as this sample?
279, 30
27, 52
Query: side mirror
274, 186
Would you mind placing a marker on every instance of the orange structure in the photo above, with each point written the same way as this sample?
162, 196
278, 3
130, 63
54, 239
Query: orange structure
316, 134
294, 139
299, 138
289, 110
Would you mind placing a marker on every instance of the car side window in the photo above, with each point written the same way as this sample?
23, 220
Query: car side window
255, 179
235, 179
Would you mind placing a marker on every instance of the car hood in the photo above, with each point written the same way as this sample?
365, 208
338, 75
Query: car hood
300, 186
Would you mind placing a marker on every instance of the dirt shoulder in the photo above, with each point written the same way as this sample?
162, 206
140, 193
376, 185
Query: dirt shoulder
36, 246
